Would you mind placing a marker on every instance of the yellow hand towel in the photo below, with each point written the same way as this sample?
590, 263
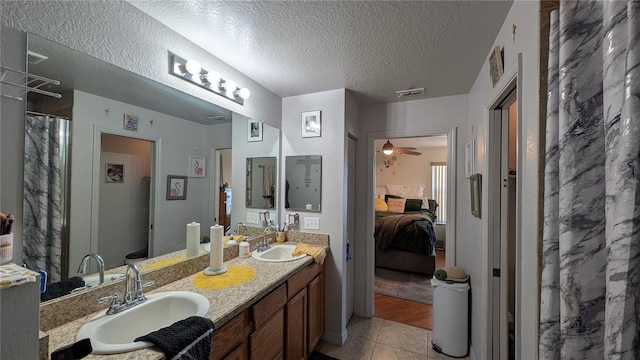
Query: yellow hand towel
316, 252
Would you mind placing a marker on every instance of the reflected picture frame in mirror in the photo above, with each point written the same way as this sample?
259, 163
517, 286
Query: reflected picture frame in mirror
303, 183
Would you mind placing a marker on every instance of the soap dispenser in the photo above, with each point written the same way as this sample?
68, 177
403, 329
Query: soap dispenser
244, 249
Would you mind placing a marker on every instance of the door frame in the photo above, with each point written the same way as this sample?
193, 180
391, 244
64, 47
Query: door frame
512, 79
96, 179
369, 251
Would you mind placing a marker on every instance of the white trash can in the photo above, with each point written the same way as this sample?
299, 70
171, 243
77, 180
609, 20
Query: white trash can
450, 318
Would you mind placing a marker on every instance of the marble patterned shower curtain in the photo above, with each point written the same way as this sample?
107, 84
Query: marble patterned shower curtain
590, 303
43, 196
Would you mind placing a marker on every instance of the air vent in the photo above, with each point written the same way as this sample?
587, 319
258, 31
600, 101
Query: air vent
35, 58
410, 92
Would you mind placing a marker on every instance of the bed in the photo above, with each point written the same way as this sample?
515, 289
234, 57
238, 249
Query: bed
404, 235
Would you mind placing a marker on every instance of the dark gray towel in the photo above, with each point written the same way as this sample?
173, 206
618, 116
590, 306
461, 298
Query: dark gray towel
186, 339
61, 288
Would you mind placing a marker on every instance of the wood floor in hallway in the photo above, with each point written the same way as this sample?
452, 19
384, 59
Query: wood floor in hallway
405, 311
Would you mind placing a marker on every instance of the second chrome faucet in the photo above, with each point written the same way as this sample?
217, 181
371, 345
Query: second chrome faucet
134, 295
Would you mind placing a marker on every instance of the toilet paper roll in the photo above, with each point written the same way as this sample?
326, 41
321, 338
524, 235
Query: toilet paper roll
193, 239
215, 255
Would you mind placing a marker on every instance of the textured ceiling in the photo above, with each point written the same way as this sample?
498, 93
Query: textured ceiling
371, 47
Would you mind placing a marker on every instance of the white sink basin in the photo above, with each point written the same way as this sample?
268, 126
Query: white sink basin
112, 334
277, 253
94, 280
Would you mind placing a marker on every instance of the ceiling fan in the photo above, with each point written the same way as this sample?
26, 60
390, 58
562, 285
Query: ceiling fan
389, 149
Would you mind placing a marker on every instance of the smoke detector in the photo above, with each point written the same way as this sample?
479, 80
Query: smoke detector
410, 92
35, 58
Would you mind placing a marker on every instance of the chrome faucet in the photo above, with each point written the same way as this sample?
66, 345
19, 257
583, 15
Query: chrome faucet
238, 225
82, 269
133, 295
265, 238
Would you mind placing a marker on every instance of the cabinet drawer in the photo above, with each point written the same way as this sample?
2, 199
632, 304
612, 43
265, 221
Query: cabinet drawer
300, 280
267, 342
239, 353
229, 335
268, 306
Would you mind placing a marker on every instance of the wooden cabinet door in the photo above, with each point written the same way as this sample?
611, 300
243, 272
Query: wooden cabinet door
315, 312
296, 327
239, 353
267, 342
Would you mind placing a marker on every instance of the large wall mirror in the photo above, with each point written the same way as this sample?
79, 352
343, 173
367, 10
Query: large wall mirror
303, 183
85, 191
261, 182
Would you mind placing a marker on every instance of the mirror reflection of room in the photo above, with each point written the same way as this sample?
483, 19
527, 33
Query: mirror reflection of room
303, 183
261, 182
101, 227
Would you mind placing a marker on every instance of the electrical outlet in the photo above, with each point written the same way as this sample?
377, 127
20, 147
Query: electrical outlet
253, 218
312, 223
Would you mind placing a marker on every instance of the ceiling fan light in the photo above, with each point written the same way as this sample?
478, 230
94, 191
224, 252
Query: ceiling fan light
387, 152
387, 148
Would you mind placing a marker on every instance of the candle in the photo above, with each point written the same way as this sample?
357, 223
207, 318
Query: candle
215, 255
193, 239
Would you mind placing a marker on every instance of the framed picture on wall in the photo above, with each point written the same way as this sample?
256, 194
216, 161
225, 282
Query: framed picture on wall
113, 173
495, 65
254, 130
131, 122
176, 187
197, 166
311, 125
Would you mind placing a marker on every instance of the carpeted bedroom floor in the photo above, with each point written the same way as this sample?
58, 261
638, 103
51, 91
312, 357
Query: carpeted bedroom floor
404, 285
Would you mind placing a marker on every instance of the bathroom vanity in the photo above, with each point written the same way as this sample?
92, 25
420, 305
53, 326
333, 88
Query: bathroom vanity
278, 314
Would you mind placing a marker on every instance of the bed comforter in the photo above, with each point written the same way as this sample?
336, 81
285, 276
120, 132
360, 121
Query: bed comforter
405, 232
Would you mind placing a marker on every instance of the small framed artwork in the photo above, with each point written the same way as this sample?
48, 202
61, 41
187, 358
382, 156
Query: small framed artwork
311, 124
469, 158
495, 65
131, 122
254, 130
176, 187
197, 166
113, 173
476, 194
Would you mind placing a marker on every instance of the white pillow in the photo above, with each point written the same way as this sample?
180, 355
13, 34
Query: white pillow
396, 205
416, 191
381, 191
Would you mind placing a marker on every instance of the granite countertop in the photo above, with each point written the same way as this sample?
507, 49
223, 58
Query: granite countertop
224, 303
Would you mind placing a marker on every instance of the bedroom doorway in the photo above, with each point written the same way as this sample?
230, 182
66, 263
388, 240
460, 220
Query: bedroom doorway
418, 172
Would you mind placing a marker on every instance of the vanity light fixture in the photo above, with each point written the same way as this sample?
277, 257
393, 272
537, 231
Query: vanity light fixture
192, 71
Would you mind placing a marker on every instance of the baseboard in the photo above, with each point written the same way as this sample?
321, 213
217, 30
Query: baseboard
334, 338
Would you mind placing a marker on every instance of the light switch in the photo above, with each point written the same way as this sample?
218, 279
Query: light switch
312, 223
253, 218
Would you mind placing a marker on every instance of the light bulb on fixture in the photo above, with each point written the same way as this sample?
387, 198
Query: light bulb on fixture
193, 67
212, 77
387, 148
244, 93
229, 86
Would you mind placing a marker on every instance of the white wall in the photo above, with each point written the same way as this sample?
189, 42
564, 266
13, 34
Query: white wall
331, 146
409, 169
175, 138
523, 14
408, 118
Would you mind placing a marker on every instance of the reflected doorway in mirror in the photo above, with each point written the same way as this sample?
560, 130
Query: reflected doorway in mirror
254, 130
197, 166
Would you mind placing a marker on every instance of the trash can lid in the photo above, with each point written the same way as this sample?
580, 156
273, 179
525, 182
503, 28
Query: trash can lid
450, 285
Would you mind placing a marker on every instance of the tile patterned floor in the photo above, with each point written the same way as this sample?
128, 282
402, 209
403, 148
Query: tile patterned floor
379, 339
